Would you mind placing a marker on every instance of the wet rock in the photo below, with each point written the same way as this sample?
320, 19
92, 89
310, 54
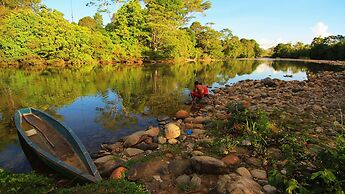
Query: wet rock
172, 131
179, 167
259, 174
133, 151
183, 180
270, 189
254, 161
118, 173
244, 172
195, 181
208, 165
162, 140
172, 141
182, 114
153, 131
231, 160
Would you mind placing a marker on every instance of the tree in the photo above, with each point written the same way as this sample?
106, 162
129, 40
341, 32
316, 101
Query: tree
19, 3
99, 19
88, 22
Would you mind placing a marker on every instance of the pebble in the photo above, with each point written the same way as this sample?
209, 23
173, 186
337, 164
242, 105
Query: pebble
157, 178
162, 140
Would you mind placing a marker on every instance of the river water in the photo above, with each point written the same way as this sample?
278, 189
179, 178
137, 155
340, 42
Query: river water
105, 104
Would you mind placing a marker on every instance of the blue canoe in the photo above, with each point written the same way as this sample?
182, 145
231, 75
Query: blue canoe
55, 145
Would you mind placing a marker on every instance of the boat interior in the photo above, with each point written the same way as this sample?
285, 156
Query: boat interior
45, 136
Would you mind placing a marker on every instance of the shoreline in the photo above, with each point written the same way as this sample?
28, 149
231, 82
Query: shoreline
328, 62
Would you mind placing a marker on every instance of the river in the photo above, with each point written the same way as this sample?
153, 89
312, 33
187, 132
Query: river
105, 104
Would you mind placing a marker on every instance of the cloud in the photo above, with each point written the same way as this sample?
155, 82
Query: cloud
320, 29
266, 44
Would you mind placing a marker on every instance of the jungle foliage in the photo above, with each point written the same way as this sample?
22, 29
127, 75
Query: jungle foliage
32, 34
329, 48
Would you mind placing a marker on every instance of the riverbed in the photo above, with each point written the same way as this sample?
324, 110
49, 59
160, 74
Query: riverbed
105, 104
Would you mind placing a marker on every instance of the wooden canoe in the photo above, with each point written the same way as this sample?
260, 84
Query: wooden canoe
55, 145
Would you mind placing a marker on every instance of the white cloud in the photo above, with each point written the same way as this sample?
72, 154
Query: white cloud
265, 44
320, 29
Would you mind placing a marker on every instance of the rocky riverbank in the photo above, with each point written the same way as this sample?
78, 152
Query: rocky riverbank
237, 141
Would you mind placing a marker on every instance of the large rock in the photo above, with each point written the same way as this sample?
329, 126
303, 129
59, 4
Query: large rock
259, 174
153, 131
208, 165
235, 184
172, 131
104, 159
244, 172
182, 114
133, 139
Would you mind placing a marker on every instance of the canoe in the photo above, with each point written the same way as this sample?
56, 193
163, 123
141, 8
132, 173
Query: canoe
55, 145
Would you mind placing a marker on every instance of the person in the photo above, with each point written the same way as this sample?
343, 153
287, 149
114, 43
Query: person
200, 91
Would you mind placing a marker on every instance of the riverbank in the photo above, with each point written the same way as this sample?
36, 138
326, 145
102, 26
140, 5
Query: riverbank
255, 136
328, 62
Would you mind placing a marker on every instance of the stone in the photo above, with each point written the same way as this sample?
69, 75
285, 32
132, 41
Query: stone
274, 153
254, 161
172, 131
153, 131
179, 167
197, 132
268, 82
172, 141
183, 180
104, 159
208, 165
269, 189
157, 178
259, 174
118, 173
144, 146
246, 142
133, 139
235, 184
116, 147
195, 181
182, 114
133, 151
231, 160
194, 126
162, 140
108, 167
163, 118
244, 172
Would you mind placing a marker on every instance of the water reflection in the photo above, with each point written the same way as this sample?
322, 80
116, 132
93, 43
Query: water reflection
103, 105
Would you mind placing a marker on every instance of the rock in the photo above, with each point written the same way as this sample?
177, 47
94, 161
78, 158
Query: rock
208, 165
197, 132
104, 159
179, 167
319, 130
118, 173
172, 131
244, 185
183, 180
244, 172
196, 120
108, 167
162, 140
259, 174
270, 189
182, 138
274, 153
133, 139
172, 141
153, 131
182, 114
116, 147
231, 159
254, 161
144, 146
157, 178
197, 153
268, 82
133, 151
317, 108
195, 181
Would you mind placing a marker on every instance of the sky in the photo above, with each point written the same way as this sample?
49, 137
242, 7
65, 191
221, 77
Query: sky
269, 22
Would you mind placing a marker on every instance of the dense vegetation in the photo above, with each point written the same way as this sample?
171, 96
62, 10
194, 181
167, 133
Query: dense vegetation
329, 48
31, 34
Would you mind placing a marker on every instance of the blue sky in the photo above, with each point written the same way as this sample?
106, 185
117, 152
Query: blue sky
267, 21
